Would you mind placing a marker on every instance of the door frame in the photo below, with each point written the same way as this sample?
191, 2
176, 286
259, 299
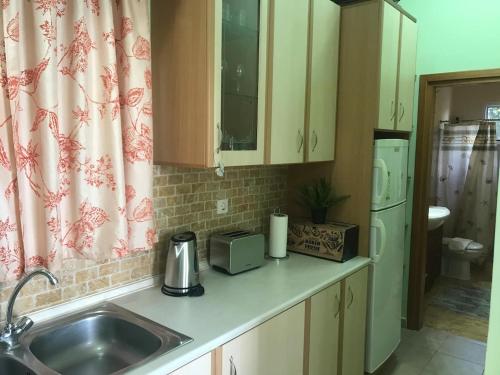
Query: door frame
422, 174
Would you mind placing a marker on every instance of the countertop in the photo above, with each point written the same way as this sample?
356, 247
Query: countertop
233, 305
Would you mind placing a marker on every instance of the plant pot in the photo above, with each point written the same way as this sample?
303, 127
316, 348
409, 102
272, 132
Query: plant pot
318, 215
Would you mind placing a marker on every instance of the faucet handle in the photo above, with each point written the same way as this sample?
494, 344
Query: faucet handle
22, 325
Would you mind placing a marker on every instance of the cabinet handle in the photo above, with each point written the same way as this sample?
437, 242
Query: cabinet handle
315, 137
402, 110
351, 296
393, 110
232, 367
219, 137
300, 141
337, 303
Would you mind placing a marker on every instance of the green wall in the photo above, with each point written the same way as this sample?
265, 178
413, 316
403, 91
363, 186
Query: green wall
455, 35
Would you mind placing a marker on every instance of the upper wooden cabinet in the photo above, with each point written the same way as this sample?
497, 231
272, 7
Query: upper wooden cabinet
244, 82
388, 66
324, 39
287, 81
406, 80
209, 68
397, 69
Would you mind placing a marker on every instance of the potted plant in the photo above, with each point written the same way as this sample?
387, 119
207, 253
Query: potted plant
319, 197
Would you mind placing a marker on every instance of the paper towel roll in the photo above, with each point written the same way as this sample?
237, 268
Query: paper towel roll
278, 235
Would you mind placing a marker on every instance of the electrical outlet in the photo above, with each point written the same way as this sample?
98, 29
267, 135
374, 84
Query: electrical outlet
222, 206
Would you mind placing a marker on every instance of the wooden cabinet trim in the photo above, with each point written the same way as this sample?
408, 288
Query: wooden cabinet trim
307, 336
181, 33
217, 361
269, 83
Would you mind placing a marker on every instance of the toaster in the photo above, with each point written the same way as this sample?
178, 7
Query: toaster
236, 251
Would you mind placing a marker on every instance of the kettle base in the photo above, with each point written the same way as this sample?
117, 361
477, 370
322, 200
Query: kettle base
194, 291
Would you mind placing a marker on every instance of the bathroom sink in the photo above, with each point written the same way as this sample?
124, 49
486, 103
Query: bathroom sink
105, 339
11, 366
437, 217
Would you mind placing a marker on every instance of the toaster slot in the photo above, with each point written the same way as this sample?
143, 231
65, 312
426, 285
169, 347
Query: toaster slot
238, 233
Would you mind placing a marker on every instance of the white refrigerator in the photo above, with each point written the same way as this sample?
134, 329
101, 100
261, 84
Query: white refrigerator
387, 232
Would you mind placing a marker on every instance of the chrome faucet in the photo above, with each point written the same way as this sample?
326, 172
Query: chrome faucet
11, 333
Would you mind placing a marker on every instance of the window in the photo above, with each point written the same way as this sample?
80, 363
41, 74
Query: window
493, 113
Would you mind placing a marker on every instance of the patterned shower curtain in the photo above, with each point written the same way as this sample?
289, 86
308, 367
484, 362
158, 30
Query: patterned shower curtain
468, 180
75, 132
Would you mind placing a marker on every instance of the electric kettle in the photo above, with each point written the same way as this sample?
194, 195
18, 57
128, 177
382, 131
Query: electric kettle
182, 271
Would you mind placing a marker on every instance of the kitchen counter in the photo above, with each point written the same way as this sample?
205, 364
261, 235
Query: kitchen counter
233, 305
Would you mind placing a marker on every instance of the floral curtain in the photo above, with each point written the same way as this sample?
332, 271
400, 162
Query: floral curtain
468, 180
75, 132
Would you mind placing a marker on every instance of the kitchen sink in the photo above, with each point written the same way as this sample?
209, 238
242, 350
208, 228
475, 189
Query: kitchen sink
104, 339
103, 344
11, 366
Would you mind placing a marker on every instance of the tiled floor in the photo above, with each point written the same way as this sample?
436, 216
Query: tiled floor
456, 320
433, 352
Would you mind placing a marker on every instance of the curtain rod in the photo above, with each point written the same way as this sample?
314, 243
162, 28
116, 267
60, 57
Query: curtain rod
459, 121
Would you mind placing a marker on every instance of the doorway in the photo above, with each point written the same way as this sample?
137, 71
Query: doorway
448, 135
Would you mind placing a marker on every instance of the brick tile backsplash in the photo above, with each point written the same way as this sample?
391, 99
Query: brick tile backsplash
184, 199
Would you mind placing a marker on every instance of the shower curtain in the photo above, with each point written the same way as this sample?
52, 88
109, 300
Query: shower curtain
468, 180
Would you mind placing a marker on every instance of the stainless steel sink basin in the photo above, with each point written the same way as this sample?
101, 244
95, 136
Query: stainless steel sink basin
105, 339
11, 366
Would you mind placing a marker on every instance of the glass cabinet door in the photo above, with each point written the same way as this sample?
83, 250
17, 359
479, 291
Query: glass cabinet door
240, 74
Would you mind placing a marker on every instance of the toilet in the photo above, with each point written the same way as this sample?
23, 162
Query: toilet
458, 253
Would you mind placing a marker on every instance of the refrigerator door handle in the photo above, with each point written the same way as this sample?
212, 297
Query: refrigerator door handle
380, 163
379, 251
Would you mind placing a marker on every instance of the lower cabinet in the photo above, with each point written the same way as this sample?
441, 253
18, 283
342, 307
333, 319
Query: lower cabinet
324, 328
323, 335
354, 323
276, 347
335, 340
200, 366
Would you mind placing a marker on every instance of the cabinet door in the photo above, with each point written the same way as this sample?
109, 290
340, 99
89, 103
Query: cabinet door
354, 328
406, 84
323, 71
324, 331
389, 67
200, 366
274, 348
239, 81
287, 81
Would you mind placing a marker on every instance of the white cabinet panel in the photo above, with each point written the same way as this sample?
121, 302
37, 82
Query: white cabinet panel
389, 67
324, 331
276, 347
323, 72
200, 366
407, 62
353, 343
287, 81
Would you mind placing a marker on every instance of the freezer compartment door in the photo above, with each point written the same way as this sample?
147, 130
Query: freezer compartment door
385, 286
389, 173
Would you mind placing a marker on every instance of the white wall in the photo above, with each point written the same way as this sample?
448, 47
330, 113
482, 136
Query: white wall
469, 102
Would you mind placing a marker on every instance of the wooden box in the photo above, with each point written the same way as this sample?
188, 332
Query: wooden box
335, 241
